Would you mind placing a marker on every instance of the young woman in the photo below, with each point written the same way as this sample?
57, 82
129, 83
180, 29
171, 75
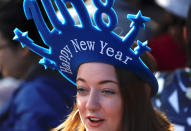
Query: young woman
114, 86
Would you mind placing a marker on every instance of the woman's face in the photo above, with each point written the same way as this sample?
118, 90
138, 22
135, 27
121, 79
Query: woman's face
98, 97
8, 58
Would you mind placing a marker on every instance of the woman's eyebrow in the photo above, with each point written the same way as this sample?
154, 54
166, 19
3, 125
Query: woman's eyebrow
100, 83
80, 79
108, 81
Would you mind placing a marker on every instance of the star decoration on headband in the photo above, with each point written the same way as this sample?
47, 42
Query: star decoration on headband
27, 41
141, 48
22, 35
47, 63
138, 19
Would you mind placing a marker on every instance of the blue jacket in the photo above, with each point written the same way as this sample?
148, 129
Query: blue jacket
39, 104
173, 99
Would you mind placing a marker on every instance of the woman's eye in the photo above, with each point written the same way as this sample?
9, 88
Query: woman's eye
108, 92
81, 90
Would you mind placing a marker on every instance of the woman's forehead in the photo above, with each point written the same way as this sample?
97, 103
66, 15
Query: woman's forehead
95, 71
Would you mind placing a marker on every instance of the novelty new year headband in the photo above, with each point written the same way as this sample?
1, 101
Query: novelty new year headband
71, 45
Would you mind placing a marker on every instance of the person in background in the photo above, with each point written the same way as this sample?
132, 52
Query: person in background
7, 87
174, 97
43, 98
168, 46
11, 70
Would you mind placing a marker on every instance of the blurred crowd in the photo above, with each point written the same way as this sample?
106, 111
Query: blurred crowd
35, 99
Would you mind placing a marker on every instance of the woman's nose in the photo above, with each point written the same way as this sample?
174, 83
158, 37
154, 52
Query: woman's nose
93, 102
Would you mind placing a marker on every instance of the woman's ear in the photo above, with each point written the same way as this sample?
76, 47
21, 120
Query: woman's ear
185, 33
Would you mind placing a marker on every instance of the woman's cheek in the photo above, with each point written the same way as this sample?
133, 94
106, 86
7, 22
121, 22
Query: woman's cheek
80, 101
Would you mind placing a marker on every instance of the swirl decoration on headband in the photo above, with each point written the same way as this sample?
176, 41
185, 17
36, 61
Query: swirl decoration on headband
71, 45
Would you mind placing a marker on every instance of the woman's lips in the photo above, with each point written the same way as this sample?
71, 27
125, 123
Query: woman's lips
94, 121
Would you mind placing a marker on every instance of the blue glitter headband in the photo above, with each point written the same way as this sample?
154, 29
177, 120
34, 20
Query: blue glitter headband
71, 45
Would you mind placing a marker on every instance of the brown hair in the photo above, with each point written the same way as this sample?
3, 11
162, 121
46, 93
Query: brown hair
139, 113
